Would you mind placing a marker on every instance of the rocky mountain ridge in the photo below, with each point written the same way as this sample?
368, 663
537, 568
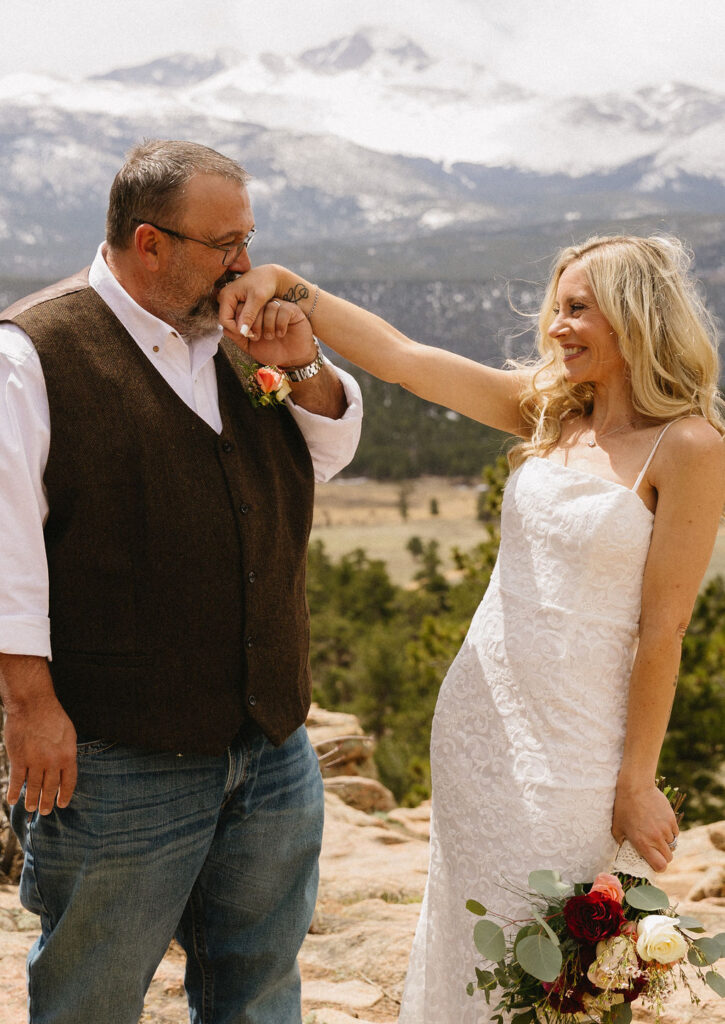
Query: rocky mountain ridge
371, 138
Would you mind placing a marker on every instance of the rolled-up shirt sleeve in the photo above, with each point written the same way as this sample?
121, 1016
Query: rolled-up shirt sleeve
24, 444
332, 443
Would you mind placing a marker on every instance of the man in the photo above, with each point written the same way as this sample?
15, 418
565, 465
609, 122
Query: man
154, 524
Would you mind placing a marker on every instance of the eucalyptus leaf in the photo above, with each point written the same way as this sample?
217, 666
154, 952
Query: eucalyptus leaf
720, 937
489, 940
621, 1014
528, 929
524, 1018
502, 976
485, 979
548, 883
716, 982
690, 924
552, 934
475, 907
470, 988
539, 957
647, 897
709, 951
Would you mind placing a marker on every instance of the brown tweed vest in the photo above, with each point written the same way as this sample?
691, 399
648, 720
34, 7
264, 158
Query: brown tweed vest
176, 556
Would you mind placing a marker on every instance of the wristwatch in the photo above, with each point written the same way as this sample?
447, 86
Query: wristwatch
300, 373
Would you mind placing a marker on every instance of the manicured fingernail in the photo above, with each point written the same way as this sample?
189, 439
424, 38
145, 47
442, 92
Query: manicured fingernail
244, 330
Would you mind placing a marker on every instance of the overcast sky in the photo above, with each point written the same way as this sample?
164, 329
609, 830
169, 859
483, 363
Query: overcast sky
562, 46
551, 45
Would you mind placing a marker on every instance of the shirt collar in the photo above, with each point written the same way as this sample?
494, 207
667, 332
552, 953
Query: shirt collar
149, 332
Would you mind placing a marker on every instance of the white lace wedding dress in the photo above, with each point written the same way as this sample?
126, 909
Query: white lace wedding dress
529, 726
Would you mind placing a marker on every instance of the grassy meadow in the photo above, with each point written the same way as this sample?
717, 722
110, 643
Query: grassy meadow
355, 513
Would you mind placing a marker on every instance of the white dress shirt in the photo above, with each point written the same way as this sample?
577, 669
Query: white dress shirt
25, 440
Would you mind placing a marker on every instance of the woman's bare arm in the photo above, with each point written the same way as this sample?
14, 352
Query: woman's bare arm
480, 392
688, 474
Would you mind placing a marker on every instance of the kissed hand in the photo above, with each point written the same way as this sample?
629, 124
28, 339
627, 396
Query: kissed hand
280, 336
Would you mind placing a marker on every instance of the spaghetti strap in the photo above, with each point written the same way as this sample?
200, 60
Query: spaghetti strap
655, 446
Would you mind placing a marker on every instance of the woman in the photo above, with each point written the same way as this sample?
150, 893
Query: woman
549, 723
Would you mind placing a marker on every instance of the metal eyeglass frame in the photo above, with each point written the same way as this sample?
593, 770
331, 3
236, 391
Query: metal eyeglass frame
231, 252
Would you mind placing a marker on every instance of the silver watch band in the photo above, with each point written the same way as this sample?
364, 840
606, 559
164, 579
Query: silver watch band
300, 373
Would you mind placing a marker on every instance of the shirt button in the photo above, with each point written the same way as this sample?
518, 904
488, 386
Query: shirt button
251, 576
244, 508
251, 700
156, 348
227, 446
249, 642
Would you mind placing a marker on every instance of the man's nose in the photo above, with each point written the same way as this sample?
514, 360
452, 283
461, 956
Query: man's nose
241, 264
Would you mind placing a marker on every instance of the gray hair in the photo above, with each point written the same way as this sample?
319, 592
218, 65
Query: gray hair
152, 183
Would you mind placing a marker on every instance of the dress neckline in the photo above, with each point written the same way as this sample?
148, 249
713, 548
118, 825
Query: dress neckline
593, 476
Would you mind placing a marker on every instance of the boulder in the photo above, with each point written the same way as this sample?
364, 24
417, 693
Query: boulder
341, 745
366, 795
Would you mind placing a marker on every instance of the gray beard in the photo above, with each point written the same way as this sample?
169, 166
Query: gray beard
200, 320
192, 322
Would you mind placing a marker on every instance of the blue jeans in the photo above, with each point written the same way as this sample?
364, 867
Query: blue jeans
220, 852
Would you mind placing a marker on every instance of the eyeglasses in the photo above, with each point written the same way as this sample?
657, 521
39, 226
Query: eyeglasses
231, 252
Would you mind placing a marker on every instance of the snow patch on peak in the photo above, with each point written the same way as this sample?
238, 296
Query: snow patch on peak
175, 71
351, 53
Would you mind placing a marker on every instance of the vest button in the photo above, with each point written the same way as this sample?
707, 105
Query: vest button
227, 446
249, 642
244, 508
251, 576
251, 700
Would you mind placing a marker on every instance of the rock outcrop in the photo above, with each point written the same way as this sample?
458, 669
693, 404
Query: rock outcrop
373, 871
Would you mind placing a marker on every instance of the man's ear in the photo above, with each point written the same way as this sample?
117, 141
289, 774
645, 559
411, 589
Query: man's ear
150, 246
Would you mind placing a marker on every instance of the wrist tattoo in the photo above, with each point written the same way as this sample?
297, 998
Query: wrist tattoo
297, 293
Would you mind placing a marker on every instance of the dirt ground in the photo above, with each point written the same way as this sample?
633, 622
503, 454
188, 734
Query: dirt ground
369, 514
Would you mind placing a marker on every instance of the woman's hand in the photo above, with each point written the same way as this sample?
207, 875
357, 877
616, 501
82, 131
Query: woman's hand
243, 302
643, 815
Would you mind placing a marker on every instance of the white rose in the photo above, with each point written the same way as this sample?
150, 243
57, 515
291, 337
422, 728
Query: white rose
658, 939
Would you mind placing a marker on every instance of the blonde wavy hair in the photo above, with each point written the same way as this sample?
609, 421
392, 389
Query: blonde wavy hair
666, 336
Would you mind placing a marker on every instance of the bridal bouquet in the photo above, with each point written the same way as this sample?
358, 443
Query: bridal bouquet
587, 951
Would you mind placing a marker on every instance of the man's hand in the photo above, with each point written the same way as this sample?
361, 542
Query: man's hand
40, 739
281, 336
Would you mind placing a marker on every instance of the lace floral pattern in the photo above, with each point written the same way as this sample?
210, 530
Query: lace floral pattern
528, 730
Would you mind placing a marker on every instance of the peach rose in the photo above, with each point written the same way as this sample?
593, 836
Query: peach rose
272, 380
610, 886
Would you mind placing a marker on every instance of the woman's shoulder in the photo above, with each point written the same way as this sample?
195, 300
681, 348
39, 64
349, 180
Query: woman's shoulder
690, 446
691, 434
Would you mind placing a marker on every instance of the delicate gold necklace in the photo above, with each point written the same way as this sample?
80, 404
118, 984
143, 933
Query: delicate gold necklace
595, 440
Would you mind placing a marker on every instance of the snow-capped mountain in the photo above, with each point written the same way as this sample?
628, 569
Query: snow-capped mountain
369, 136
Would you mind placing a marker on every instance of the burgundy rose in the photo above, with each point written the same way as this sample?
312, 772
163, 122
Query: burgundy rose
593, 916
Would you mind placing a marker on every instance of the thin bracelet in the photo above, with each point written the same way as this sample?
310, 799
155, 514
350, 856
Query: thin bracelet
314, 302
